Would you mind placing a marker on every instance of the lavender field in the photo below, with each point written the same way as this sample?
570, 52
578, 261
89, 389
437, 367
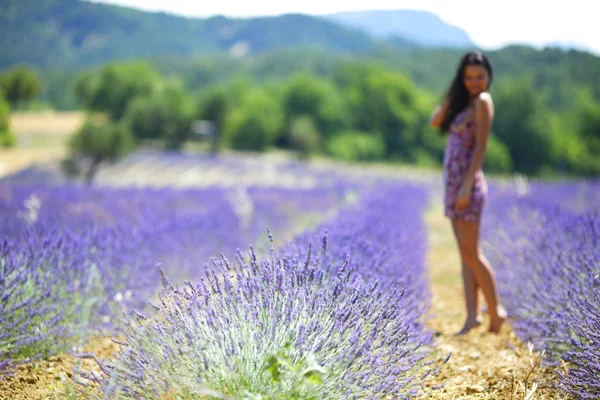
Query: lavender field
239, 278
544, 240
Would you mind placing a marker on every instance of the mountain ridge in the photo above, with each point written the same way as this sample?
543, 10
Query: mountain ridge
423, 27
76, 33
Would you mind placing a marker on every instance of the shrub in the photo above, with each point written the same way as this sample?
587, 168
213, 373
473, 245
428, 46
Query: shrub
304, 136
340, 322
7, 139
255, 124
101, 141
356, 146
497, 158
556, 307
166, 115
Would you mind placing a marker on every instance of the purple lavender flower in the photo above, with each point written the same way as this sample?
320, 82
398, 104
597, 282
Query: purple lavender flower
344, 321
74, 258
548, 263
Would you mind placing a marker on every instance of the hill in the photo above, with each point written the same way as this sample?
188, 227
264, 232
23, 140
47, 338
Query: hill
422, 27
74, 33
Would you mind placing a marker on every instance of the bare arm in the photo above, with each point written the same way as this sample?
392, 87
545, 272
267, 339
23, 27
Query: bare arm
484, 114
438, 115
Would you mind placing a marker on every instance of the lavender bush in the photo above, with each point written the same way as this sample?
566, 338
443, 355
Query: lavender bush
578, 196
548, 264
583, 357
66, 244
55, 290
325, 317
385, 240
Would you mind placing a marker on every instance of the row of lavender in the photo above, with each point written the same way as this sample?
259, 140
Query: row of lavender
336, 313
544, 241
72, 259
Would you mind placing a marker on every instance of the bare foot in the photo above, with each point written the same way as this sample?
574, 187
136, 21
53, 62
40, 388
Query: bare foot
469, 324
496, 323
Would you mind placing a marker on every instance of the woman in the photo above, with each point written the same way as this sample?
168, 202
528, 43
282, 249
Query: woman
466, 115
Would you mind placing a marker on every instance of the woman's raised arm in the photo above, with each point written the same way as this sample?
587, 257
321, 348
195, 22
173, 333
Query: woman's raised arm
438, 115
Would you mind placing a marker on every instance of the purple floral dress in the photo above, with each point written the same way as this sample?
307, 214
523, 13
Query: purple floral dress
457, 160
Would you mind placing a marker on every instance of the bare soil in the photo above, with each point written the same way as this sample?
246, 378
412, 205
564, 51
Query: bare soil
51, 379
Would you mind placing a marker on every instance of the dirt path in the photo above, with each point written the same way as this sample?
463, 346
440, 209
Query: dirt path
51, 379
482, 365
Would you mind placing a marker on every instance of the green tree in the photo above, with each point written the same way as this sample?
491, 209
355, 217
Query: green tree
356, 146
214, 106
101, 141
111, 88
7, 139
317, 98
255, 124
587, 114
386, 102
304, 136
522, 123
166, 114
497, 157
20, 84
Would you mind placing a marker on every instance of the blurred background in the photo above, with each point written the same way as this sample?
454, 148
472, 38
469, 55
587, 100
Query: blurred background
84, 84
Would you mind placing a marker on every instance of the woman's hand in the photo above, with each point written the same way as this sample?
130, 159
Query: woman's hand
462, 201
438, 115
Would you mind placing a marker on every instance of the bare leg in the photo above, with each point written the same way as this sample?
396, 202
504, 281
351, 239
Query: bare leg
495, 325
470, 289
473, 258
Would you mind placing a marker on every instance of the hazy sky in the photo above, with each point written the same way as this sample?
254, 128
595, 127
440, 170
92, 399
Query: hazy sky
489, 23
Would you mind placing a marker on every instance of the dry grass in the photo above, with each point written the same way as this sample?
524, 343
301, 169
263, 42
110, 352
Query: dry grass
49, 123
41, 138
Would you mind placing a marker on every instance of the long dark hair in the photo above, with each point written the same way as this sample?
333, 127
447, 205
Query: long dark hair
457, 95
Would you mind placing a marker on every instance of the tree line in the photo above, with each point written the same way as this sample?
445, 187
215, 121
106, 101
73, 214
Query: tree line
356, 110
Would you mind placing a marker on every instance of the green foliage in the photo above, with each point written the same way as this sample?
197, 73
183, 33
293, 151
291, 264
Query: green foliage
214, 106
20, 84
306, 372
587, 115
166, 114
304, 135
7, 139
319, 81
101, 141
255, 124
363, 111
356, 146
69, 33
110, 89
387, 102
317, 98
522, 123
497, 157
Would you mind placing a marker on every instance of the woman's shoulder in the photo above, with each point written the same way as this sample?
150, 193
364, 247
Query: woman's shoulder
484, 103
484, 98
